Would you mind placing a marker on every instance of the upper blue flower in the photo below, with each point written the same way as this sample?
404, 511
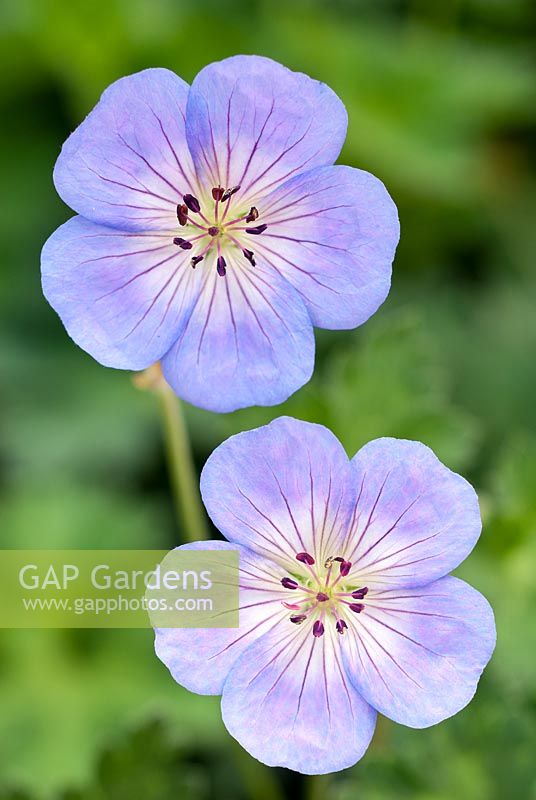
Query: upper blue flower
214, 230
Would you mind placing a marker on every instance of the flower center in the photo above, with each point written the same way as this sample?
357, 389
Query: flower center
324, 593
214, 229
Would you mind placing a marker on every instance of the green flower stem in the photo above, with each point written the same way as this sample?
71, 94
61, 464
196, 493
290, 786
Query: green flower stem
317, 787
260, 782
183, 476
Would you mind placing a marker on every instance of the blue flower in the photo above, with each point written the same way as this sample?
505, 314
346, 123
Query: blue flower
346, 608
214, 230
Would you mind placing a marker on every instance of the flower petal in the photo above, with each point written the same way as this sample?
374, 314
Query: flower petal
280, 490
415, 520
200, 658
254, 123
128, 164
332, 232
417, 654
121, 296
289, 703
248, 341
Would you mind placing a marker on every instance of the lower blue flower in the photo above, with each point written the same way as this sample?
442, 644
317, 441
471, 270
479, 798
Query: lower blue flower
346, 608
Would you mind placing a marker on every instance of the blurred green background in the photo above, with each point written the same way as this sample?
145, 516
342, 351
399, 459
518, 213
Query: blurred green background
441, 99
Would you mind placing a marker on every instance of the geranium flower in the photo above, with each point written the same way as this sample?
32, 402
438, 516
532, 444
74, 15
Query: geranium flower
345, 609
214, 231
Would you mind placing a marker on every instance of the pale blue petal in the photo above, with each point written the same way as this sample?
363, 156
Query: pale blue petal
416, 654
332, 232
200, 658
248, 341
252, 122
123, 297
415, 520
289, 703
128, 164
280, 490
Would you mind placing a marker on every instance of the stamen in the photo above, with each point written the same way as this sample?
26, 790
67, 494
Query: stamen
357, 594
305, 558
182, 214
322, 597
288, 583
182, 243
229, 193
318, 628
297, 619
195, 261
357, 607
253, 214
341, 626
249, 254
217, 193
192, 203
291, 606
220, 266
345, 568
256, 231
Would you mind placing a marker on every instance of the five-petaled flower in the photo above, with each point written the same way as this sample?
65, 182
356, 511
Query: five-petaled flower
214, 230
345, 609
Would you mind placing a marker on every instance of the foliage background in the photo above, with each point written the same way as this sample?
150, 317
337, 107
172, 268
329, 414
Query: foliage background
441, 98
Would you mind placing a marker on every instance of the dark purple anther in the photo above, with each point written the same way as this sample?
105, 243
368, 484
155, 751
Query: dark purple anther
345, 568
297, 619
217, 193
288, 583
249, 254
182, 214
195, 260
192, 203
322, 597
318, 628
360, 593
229, 192
305, 558
253, 214
357, 607
220, 266
341, 626
257, 230
213, 230
183, 243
